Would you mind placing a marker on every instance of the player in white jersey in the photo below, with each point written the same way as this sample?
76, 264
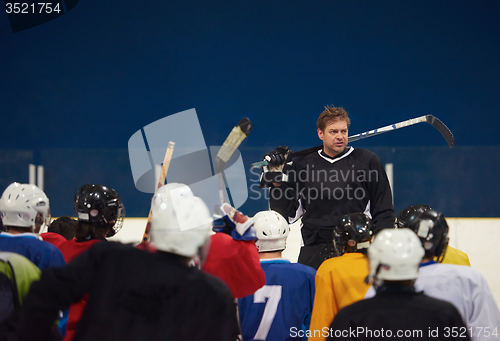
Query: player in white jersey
463, 286
280, 310
397, 311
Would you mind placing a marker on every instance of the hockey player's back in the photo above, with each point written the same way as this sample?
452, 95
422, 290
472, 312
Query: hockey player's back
281, 309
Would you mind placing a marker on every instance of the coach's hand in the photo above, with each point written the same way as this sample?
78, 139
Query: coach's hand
278, 156
272, 174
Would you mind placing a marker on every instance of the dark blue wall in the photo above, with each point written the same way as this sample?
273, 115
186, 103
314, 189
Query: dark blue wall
85, 82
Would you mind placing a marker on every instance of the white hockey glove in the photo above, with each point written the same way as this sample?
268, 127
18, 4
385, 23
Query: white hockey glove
234, 223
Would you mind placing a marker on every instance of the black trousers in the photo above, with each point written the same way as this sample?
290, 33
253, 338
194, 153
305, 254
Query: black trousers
315, 254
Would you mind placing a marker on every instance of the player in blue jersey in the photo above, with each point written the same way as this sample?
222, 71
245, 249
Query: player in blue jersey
25, 208
281, 310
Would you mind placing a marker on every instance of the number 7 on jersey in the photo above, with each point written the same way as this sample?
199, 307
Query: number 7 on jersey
273, 295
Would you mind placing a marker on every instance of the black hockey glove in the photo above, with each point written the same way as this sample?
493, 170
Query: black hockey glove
277, 156
273, 172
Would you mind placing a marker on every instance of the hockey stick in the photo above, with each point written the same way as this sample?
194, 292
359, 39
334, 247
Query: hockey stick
434, 121
161, 182
232, 142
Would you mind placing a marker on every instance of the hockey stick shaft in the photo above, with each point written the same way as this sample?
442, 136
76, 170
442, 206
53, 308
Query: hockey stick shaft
161, 181
385, 129
432, 120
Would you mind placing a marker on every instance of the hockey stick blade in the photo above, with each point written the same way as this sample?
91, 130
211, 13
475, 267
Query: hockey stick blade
234, 139
232, 142
432, 120
161, 181
442, 128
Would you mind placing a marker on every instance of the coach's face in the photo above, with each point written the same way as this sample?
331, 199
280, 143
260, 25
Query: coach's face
334, 137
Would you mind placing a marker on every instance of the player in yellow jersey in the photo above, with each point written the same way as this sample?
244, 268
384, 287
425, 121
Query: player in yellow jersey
340, 281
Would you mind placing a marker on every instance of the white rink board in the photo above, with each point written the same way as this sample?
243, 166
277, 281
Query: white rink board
475, 236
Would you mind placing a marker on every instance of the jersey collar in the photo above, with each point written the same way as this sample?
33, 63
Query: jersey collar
274, 260
427, 263
394, 288
342, 155
18, 235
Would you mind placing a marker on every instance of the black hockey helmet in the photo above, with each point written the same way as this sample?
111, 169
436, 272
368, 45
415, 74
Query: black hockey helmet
352, 233
408, 213
432, 229
100, 204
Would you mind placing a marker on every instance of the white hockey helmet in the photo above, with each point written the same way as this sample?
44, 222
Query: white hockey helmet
24, 205
272, 230
395, 255
181, 223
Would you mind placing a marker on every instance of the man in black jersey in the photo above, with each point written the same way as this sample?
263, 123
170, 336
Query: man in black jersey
322, 186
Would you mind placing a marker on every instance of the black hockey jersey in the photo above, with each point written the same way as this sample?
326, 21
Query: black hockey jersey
134, 295
400, 313
324, 188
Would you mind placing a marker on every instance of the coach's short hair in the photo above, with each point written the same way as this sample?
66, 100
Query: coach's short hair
332, 114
